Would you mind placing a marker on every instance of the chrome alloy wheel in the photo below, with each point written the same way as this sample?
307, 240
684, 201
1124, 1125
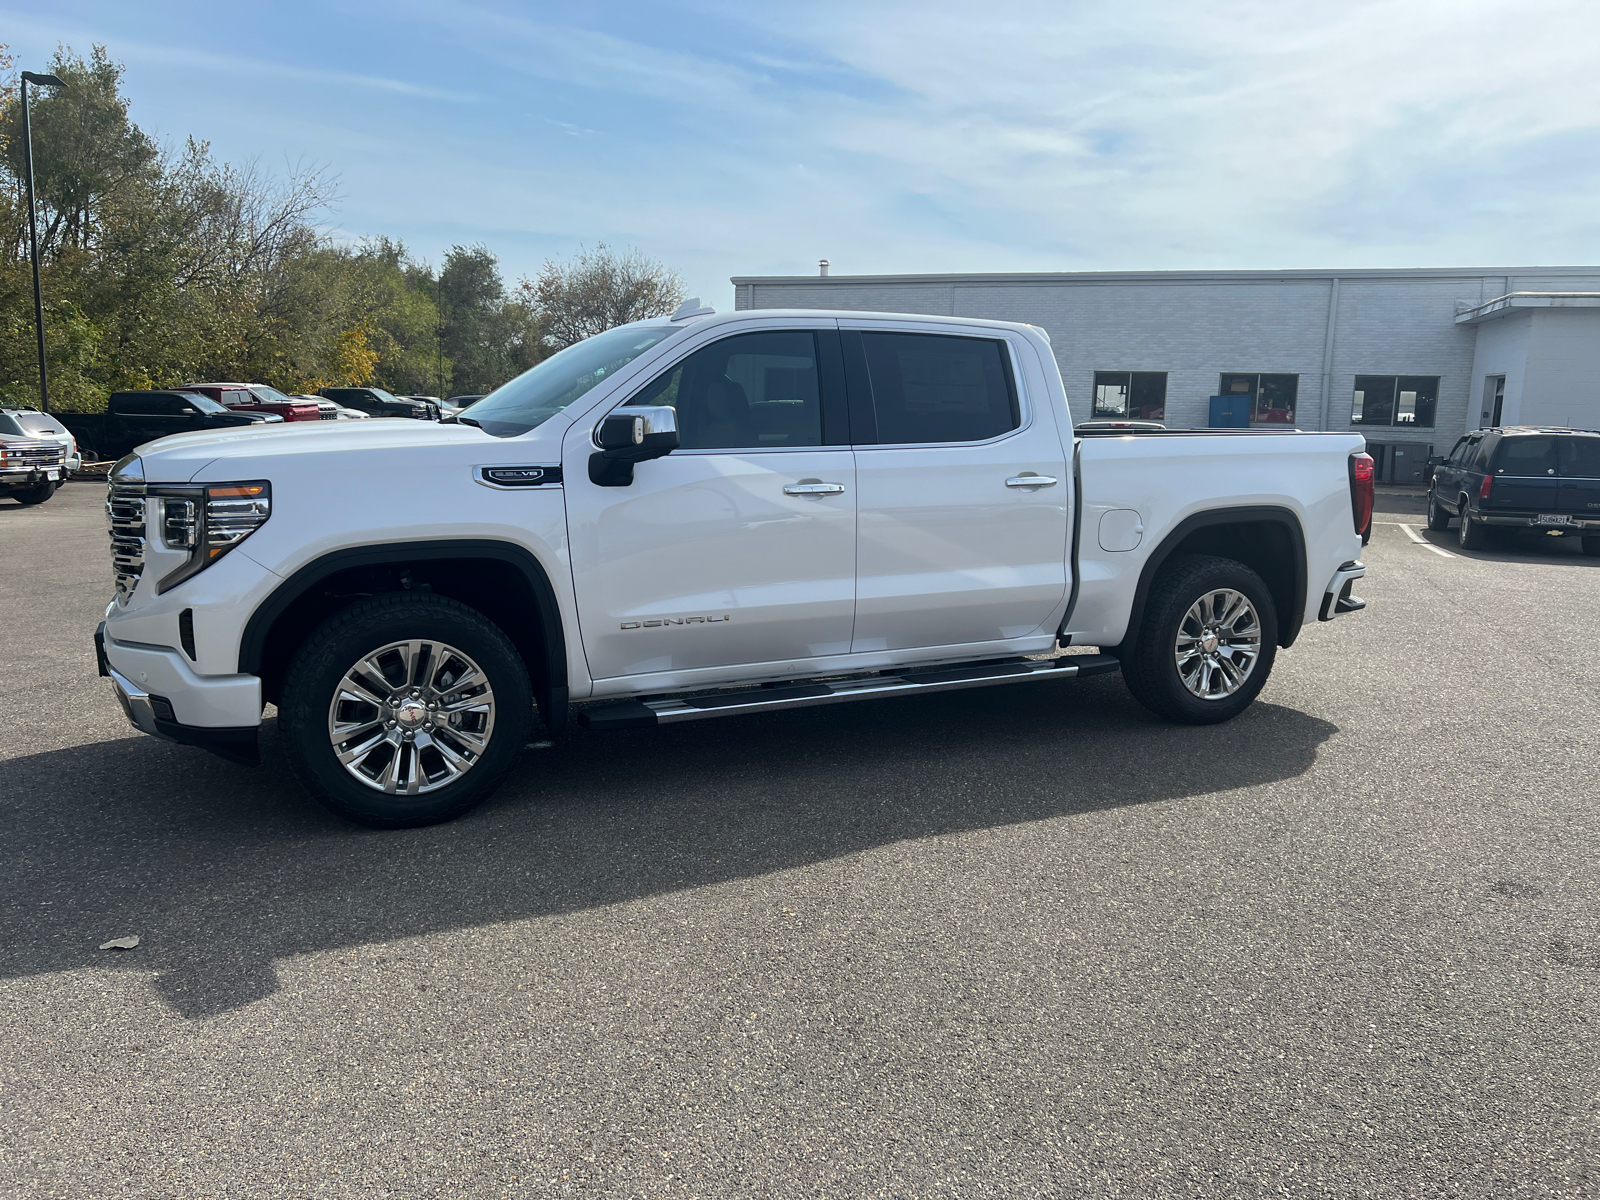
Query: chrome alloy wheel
411, 717
1219, 640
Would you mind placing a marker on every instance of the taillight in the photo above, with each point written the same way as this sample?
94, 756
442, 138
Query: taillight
1362, 477
1483, 488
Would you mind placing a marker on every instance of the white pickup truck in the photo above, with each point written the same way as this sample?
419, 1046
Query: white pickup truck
704, 516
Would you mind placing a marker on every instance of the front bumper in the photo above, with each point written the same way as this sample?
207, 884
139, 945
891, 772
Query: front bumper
31, 477
155, 688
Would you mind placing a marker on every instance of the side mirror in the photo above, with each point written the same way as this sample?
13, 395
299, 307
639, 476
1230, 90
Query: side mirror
628, 436
1436, 461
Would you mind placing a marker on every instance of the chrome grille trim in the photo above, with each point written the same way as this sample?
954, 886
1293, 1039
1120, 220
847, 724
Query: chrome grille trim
34, 454
125, 512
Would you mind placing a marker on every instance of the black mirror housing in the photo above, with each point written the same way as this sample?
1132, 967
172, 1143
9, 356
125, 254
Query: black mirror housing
631, 435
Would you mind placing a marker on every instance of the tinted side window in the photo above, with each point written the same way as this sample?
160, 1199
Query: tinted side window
1526, 456
133, 404
1459, 454
745, 392
929, 387
1581, 456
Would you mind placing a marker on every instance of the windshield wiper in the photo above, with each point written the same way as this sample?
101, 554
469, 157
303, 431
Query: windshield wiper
468, 421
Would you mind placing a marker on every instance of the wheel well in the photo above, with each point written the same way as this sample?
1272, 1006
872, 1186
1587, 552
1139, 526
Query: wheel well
515, 595
1267, 540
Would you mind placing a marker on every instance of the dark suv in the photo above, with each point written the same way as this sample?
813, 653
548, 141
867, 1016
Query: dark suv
1519, 478
376, 402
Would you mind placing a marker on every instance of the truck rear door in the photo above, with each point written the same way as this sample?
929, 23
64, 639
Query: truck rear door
1524, 472
1578, 466
963, 490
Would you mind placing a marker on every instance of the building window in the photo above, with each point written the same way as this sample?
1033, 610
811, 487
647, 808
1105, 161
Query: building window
1407, 400
1131, 395
1272, 397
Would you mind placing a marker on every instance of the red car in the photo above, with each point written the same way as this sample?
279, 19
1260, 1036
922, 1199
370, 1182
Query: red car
257, 397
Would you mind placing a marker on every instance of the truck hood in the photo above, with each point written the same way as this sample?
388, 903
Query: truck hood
212, 456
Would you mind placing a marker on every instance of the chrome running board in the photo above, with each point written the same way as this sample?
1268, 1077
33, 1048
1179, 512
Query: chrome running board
637, 714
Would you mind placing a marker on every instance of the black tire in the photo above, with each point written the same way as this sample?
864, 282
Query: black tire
35, 495
1151, 669
1472, 535
315, 677
1591, 546
1438, 518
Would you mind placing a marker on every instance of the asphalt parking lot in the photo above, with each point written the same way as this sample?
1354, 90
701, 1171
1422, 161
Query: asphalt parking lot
1017, 943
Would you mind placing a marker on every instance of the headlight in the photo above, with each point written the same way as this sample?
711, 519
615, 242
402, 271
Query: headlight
208, 522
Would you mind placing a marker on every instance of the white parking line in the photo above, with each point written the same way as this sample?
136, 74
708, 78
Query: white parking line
1422, 541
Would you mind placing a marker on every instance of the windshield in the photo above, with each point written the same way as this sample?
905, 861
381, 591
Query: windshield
272, 395
203, 403
386, 397
535, 396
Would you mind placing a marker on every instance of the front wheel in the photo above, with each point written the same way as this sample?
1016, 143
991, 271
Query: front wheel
405, 710
35, 495
1207, 641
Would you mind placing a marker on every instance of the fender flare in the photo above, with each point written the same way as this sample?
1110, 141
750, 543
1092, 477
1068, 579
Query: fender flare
551, 698
1289, 624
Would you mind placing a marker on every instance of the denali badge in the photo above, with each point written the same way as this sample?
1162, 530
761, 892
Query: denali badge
676, 621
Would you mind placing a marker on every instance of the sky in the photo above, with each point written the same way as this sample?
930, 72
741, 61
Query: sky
754, 139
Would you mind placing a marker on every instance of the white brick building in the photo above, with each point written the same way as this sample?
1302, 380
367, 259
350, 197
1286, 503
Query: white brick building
1411, 358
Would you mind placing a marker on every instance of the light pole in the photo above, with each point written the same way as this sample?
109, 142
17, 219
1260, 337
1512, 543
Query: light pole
33, 227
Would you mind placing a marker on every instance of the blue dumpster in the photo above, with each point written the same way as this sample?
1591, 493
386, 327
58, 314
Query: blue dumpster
1230, 412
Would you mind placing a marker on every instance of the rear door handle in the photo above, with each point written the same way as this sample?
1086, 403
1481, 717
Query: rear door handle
1032, 481
813, 489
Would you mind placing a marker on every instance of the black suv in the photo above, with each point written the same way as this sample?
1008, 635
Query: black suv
1519, 478
376, 402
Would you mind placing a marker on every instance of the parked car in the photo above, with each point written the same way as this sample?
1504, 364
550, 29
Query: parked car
257, 397
332, 411
1519, 478
30, 422
133, 418
460, 402
376, 402
31, 468
715, 515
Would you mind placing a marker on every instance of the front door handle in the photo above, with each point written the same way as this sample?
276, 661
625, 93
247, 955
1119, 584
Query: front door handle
813, 488
1030, 480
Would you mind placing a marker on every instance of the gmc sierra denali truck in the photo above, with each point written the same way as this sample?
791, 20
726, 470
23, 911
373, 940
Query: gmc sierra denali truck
696, 517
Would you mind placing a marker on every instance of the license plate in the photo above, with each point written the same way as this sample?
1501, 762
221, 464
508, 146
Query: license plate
52, 475
1554, 519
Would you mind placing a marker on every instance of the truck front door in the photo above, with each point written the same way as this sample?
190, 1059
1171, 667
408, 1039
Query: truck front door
740, 546
964, 491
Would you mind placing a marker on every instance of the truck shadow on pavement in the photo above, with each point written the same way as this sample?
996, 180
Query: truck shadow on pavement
221, 869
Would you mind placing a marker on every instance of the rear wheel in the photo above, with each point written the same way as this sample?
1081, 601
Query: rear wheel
405, 710
1207, 641
1472, 535
1438, 518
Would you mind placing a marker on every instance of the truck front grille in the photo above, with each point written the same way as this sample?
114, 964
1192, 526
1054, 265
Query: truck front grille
125, 505
30, 455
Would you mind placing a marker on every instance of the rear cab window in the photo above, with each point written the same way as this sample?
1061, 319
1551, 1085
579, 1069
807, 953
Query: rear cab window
1579, 457
927, 388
